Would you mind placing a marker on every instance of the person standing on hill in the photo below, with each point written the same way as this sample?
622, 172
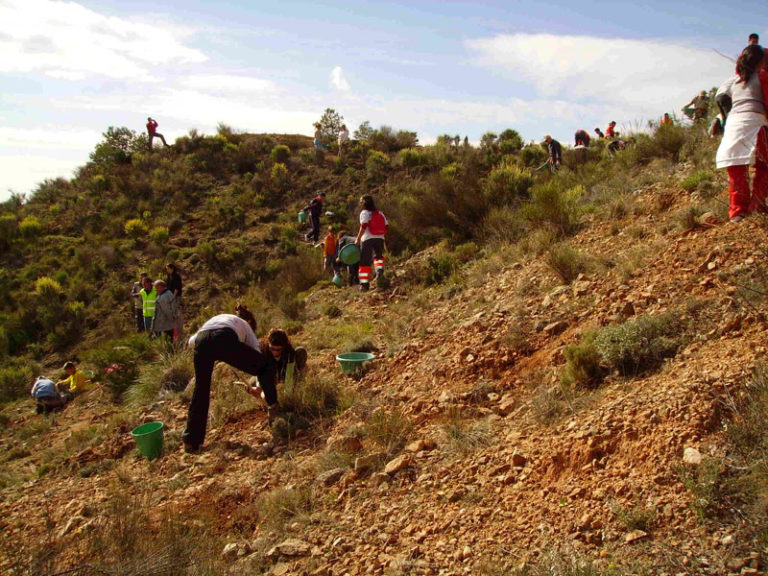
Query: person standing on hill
166, 304
329, 250
148, 297
315, 209
174, 283
352, 269
610, 132
600, 133
370, 239
581, 138
666, 120
138, 306
153, 133
555, 152
231, 339
745, 140
343, 138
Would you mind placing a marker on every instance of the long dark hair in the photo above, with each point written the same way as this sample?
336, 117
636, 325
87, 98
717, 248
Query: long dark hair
749, 60
367, 202
243, 312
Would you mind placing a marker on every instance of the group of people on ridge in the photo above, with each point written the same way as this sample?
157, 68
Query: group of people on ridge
157, 304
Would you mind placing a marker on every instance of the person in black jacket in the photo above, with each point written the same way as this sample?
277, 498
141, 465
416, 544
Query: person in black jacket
555, 151
174, 286
315, 209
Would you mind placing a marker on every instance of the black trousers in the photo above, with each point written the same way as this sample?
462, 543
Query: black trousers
138, 315
223, 345
315, 232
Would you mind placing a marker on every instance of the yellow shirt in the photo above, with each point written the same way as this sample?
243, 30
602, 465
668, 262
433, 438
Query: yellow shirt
76, 382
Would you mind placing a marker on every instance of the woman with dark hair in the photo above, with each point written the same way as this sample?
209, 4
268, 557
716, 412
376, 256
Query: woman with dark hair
227, 338
284, 354
370, 239
744, 139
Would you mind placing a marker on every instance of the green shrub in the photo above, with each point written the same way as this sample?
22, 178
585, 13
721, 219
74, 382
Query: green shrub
567, 262
440, 267
280, 154
533, 155
117, 362
639, 344
377, 165
136, 228
30, 227
389, 429
507, 184
279, 176
16, 382
411, 158
701, 181
47, 288
9, 228
159, 235
554, 206
583, 366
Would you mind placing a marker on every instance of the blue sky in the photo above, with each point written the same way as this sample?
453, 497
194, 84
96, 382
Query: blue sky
71, 69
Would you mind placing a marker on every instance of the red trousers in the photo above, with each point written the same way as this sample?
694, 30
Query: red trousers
742, 200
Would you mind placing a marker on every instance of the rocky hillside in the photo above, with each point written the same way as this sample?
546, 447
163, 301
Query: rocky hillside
585, 397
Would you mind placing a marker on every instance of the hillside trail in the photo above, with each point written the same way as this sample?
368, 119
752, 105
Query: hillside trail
499, 467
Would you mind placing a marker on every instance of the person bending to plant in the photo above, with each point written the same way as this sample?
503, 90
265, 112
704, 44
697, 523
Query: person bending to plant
231, 339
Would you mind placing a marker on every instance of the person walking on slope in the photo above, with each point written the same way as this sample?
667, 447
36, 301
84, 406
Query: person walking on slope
581, 138
370, 239
231, 339
352, 269
153, 133
745, 140
315, 209
555, 152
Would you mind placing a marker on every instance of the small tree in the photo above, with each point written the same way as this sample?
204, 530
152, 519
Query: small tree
330, 125
117, 147
364, 132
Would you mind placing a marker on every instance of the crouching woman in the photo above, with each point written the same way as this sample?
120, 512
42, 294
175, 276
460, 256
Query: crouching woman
231, 339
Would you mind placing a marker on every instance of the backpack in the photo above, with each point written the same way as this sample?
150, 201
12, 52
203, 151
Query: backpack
378, 224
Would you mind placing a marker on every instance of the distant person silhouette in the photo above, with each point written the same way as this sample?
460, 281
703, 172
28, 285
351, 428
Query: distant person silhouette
153, 133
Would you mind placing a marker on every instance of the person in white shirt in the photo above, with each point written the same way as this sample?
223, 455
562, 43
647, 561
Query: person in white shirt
370, 239
231, 339
343, 138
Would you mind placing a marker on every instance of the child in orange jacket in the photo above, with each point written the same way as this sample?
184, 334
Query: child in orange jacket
329, 250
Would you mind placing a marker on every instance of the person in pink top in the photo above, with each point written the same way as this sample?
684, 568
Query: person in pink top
153, 133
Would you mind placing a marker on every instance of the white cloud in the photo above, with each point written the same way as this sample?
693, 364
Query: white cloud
338, 80
228, 84
23, 172
47, 138
645, 76
68, 41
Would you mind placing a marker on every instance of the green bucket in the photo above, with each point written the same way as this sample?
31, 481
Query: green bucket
302, 217
149, 439
349, 254
351, 361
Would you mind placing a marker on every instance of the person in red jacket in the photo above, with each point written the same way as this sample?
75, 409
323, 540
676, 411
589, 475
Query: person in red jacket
609, 132
153, 133
370, 239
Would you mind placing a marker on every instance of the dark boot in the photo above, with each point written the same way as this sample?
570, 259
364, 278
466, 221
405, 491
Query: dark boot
364, 287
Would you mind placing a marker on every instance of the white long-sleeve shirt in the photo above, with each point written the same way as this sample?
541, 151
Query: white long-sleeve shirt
241, 327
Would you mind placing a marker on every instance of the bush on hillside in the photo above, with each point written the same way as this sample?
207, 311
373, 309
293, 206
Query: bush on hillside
30, 227
280, 153
117, 362
136, 228
377, 165
553, 205
9, 229
159, 235
16, 381
533, 155
410, 158
507, 184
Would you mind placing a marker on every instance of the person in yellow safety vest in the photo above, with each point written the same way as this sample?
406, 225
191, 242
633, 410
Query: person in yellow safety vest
148, 297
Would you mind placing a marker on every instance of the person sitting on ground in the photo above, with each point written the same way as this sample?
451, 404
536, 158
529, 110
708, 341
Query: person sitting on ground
74, 384
555, 152
745, 138
352, 269
231, 339
283, 353
581, 138
166, 305
46, 396
600, 133
666, 120
370, 239
698, 107
329, 250
315, 209
610, 132
153, 133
